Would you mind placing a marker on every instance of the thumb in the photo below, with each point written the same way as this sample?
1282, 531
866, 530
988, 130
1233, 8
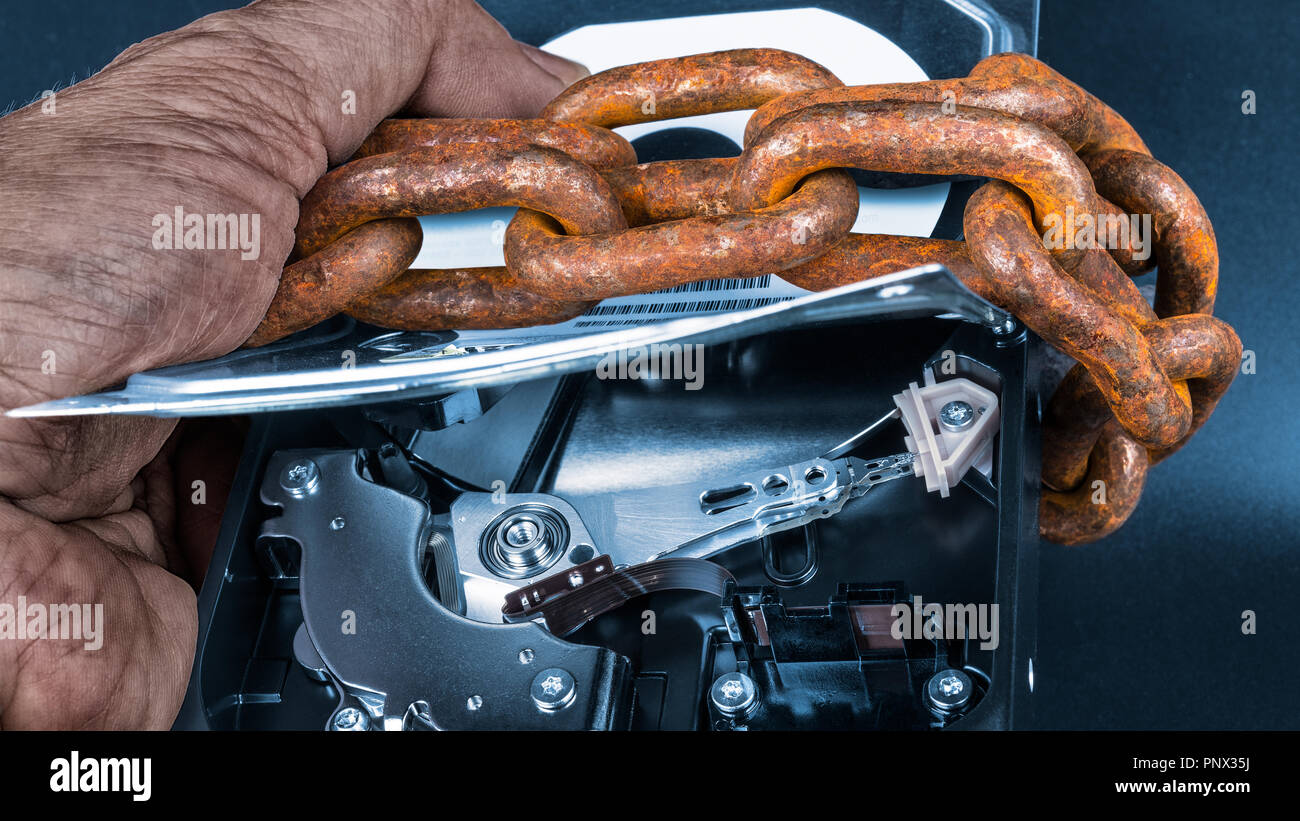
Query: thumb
477, 70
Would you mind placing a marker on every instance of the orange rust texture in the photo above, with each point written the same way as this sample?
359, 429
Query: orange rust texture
447, 178
661, 255
918, 138
1013, 84
1071, 317
593, 224
466, 298
318, 287
685, 86
597, 147
1195, 347
1106, 498
333, 272
1185, 248
672, 189
863, 256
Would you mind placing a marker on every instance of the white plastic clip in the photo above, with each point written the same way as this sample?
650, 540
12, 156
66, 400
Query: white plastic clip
950, 428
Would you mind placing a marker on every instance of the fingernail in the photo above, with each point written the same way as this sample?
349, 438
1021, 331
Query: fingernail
573, 71
567, 71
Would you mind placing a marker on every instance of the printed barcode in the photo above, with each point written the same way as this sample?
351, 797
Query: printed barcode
657, 310
719, 285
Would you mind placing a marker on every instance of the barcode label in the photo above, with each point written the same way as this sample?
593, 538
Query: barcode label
646, 312
707, 285
677, 302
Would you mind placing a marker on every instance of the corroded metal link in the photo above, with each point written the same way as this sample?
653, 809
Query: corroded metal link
1196, 347
464, 298
863, 256
1094, 126
692, 233
349, 245
592, 224
1185, 248
461, 177
673, 189
1117, 472
1100, 272
918, 138
1206, 352
1021, 277
679, 189
316, 288
685, 86
597, 147
746, 243
1014, 84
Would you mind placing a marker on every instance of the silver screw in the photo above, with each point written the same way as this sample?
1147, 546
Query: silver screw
734, 695
521, 533
526, 656
948, 690
474, 703
338, 523
553, 689
350, 719
300, 478
956, 416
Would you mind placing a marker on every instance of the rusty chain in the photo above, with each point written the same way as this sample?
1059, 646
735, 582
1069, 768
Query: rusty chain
593, 224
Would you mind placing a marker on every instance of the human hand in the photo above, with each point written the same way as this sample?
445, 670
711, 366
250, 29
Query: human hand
238, 113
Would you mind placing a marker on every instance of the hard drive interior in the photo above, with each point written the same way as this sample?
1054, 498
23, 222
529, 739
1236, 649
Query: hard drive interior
378, 526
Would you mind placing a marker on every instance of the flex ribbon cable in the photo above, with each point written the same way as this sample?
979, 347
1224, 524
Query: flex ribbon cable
570, 599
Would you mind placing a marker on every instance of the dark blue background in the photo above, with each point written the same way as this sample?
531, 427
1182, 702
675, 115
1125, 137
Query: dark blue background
1143, 629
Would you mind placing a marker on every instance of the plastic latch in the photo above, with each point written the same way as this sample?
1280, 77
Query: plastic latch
950, 428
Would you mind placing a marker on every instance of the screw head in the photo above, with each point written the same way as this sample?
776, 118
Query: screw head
522, 532
338, 523
524, 540
553, 689
734, 695
350, 719
956, 415
526, 656
474, 703
949, 690
300, 478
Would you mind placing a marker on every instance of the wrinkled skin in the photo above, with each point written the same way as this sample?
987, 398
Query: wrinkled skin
239, 112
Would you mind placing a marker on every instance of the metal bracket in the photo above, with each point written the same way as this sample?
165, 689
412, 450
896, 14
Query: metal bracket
383, 638
291, 374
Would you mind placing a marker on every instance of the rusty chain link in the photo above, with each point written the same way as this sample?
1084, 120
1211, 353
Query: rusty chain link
593, 224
